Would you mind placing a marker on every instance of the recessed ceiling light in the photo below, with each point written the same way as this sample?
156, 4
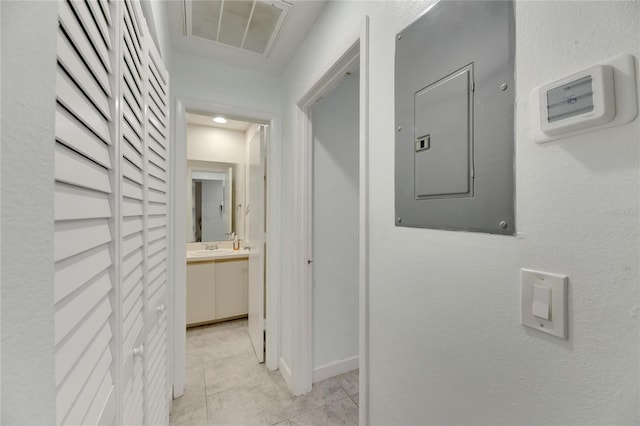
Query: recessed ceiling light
220, 120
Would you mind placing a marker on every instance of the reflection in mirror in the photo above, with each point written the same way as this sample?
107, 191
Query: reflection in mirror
212, 201
210, 212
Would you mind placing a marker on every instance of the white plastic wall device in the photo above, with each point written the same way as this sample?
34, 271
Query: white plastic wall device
614, 102
544, 302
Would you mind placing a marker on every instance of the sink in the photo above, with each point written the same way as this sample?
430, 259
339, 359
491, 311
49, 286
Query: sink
209, 252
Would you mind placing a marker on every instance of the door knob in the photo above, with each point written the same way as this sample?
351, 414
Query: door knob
160, 309
138, 352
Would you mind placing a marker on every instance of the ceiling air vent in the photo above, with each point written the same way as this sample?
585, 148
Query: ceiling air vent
250, 25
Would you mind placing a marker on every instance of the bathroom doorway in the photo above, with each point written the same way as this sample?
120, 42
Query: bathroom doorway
238, 158
226, 183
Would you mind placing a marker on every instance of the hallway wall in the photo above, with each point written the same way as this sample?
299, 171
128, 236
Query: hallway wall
214, 144
201, 78
27, 165
446, 343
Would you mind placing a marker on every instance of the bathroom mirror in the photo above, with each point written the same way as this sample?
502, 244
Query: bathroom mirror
214, 203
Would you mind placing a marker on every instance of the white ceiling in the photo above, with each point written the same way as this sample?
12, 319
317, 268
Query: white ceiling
301, 17
203, 120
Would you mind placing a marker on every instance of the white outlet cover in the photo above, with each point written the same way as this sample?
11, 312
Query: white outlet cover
557, 323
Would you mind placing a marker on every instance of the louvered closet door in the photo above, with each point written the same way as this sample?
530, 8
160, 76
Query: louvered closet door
133, 250
157, 119
84, 280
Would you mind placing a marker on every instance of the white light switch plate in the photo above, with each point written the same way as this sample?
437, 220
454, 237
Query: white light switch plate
556, 325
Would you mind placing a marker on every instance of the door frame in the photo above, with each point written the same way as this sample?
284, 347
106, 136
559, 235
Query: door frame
355, 54
177, 227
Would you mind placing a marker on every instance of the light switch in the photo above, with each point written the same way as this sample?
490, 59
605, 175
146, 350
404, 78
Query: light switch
541, 301
544, 302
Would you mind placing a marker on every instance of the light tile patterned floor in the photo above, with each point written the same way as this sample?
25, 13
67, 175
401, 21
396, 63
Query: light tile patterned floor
225, 385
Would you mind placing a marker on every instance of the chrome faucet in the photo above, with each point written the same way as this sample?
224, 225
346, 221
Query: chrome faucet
213, 246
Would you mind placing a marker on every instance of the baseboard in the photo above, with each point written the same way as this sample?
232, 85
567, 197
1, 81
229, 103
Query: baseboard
285, 371
335, 368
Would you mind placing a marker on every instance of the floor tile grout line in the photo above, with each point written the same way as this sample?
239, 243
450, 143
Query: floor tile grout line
204, 384
354, 401
345, 390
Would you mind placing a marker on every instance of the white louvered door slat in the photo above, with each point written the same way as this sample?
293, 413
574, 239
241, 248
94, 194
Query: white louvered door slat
81, 10
78, 170
73, 66
133, 251
101, 21
72, 273
81, 139
70, 26
84, 282
69, 203
156, 131
111, 182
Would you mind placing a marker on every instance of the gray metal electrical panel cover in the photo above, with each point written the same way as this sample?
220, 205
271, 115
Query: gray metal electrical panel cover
454, 94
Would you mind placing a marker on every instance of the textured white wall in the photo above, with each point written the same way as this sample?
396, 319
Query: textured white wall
204, 79
335, 224
28, 99
215, 144
446, 344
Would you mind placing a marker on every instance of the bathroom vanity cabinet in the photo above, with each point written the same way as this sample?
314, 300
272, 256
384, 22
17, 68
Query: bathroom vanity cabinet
201, 292
217, 290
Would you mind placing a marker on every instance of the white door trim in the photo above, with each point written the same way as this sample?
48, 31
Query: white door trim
356, 54
178, 274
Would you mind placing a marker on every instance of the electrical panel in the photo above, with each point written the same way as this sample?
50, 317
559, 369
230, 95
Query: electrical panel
454, 112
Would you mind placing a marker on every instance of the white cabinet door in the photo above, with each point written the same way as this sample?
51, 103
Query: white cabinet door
232, 292
201, 292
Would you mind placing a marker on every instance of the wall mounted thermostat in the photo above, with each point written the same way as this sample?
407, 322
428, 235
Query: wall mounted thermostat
598, 97
581, 100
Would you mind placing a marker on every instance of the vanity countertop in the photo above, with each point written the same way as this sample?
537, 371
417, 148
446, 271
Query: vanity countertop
217, 254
